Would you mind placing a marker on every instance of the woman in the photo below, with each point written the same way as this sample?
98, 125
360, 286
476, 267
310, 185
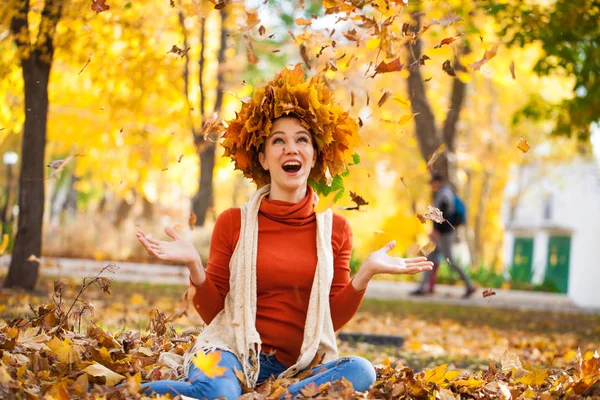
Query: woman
271, 298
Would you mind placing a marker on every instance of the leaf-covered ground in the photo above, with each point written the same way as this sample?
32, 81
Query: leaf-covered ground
449, 351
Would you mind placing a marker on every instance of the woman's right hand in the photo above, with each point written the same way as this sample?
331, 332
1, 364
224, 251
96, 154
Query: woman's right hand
179, 250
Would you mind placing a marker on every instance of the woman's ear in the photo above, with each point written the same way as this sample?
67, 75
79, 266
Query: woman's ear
263, 161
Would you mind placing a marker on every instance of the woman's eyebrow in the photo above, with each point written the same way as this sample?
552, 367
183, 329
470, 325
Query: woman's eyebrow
283, 133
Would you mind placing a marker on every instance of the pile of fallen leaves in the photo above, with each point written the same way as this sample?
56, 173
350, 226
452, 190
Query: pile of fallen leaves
46, 355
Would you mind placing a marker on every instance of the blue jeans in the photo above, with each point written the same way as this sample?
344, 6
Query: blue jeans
359, 371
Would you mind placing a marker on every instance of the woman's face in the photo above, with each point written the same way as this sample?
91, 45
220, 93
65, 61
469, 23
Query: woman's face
289, 154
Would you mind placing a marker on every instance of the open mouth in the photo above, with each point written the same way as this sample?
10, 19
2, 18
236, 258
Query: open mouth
291, 166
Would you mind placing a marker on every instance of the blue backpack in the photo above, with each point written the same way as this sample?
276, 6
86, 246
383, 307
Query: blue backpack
459, 217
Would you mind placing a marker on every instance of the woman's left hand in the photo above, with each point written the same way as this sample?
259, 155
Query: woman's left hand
380, 262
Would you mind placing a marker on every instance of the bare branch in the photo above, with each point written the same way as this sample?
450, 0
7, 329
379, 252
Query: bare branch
50, 17
19, 25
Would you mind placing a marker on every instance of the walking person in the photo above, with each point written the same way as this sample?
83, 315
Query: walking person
277, 284
443, 235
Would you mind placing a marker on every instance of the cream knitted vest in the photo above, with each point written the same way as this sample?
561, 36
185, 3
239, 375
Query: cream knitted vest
234, 328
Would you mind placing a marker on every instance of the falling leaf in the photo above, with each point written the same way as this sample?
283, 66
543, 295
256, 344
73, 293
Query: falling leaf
251, 20
172, 3
164, 169
434, 214
512, 69
332, 65
261, 30
179, 159
303, 22
392, 66
180, 52
447, 41
213, 126
488, 293
33, 258
523, 145
96, 369
56, 164
420, 61
449, 19
209, 364
305, 56
386, 95
99, 6
192, 220
436, 154
405, 27
489, 54
427, 249
448, 68
405, 118
358, 200
86, 64
352, 36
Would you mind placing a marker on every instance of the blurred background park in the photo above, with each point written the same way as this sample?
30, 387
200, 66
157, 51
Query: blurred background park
131, 95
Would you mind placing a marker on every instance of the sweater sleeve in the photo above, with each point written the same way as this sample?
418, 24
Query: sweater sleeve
209, 298
344, 299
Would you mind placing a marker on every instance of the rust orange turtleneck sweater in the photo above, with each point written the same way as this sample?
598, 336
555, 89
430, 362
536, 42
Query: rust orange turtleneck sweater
286, 264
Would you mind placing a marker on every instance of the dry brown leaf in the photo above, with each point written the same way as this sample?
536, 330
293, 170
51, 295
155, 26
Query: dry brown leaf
434, 214
488, 293
392, 66
179, 52
512, 69
447, 41
447, 67
99, 6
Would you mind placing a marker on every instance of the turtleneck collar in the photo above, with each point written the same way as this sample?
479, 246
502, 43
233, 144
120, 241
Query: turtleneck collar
290, 213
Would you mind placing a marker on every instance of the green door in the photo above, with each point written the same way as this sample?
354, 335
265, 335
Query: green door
522, 259
557, 270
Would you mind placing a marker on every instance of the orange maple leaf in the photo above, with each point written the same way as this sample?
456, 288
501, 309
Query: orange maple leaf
209, 363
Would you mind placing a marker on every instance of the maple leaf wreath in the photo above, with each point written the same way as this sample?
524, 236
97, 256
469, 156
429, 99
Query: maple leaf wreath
334, 132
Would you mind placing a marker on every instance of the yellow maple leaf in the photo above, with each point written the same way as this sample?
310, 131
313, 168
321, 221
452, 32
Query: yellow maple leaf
535, 378
65, 350
209, 363
436, 375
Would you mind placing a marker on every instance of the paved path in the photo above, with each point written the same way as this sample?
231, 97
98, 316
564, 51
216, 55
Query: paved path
169, 274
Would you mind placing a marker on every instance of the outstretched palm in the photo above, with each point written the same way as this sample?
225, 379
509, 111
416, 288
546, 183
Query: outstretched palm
380, 262
179, 250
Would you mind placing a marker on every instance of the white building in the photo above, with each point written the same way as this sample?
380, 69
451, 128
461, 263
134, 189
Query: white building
551, 214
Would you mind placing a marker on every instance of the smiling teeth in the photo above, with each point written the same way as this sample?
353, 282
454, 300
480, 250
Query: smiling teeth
291, 163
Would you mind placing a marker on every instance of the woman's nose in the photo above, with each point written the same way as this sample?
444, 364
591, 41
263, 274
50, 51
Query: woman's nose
290, 148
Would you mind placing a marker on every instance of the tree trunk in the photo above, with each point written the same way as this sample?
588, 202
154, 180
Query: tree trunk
203, 200
28, 241
469, 234
481, 211
428, 136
